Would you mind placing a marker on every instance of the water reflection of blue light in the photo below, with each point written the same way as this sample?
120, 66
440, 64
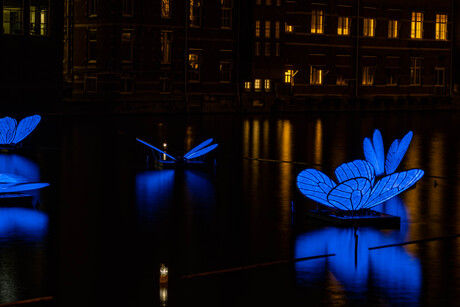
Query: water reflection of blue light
21, 166
22, 224
355, 266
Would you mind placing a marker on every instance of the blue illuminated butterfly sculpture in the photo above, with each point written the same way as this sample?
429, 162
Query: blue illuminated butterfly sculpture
12, 134
190, 157
359, 183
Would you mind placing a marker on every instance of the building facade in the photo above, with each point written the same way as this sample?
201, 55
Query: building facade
236, 55
31, 55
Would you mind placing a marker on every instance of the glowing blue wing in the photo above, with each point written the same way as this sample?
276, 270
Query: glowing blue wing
315, 185
7, 130
351, 194
355, 169
396, 152
195, 149
153, 147
25, 127
374, 152
392, 185
201, 152
8, 188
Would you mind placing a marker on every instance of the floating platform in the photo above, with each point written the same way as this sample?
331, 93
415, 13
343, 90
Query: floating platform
360, 218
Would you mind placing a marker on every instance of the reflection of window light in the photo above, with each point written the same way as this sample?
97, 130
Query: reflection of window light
267, 85
416, 25
441, 26
257, 84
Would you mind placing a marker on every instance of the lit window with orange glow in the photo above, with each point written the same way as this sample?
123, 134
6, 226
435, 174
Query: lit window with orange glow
317, 22
195, 13
267, 28
393, 31
165, 9
289, 76
368, 75
316, 75
257, 84
369, 27
257, 33
416, 25
267, 49
13, 17
267, 85
194, 66
277, 30
288, 28
39, 15
247, 85
343, 26
441, 26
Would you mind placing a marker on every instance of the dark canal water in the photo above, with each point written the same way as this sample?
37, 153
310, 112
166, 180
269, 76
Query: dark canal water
105, 224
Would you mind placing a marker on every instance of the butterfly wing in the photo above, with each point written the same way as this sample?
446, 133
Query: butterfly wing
392, 185
7, 130
153, 147
374, 152
315, 185
196, 148
351, 194
355, 169
396, 152
25, 127
201, 152
8, 188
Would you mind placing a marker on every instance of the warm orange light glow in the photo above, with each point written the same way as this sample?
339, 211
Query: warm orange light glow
317, 22
416, 28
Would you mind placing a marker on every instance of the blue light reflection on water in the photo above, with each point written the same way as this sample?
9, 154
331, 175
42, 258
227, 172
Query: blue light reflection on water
21, 166
355, 267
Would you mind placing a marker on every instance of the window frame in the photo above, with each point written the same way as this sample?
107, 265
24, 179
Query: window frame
317, 21
416, 26
369, 25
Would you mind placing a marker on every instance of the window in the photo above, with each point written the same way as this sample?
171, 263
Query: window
39, 14
343, 26
257, 33
226, 8
317, 21
416, 25
277, 30
392, 77
194, 66
166, 42
165, 85
247, 85
127, 8
92, 8
440, 75
195, 13
257, 48
393, 29
277, 49
267, 49
92, 42
267, 85
289, 76
316, 75
268, 2
368, 75
257, 84
126, 85
278, 2
288, 28
165, 9
267, 28
12, 16
225, 68
341, 79
415, 71
369, 27
441, 26
90, 84
126, 46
